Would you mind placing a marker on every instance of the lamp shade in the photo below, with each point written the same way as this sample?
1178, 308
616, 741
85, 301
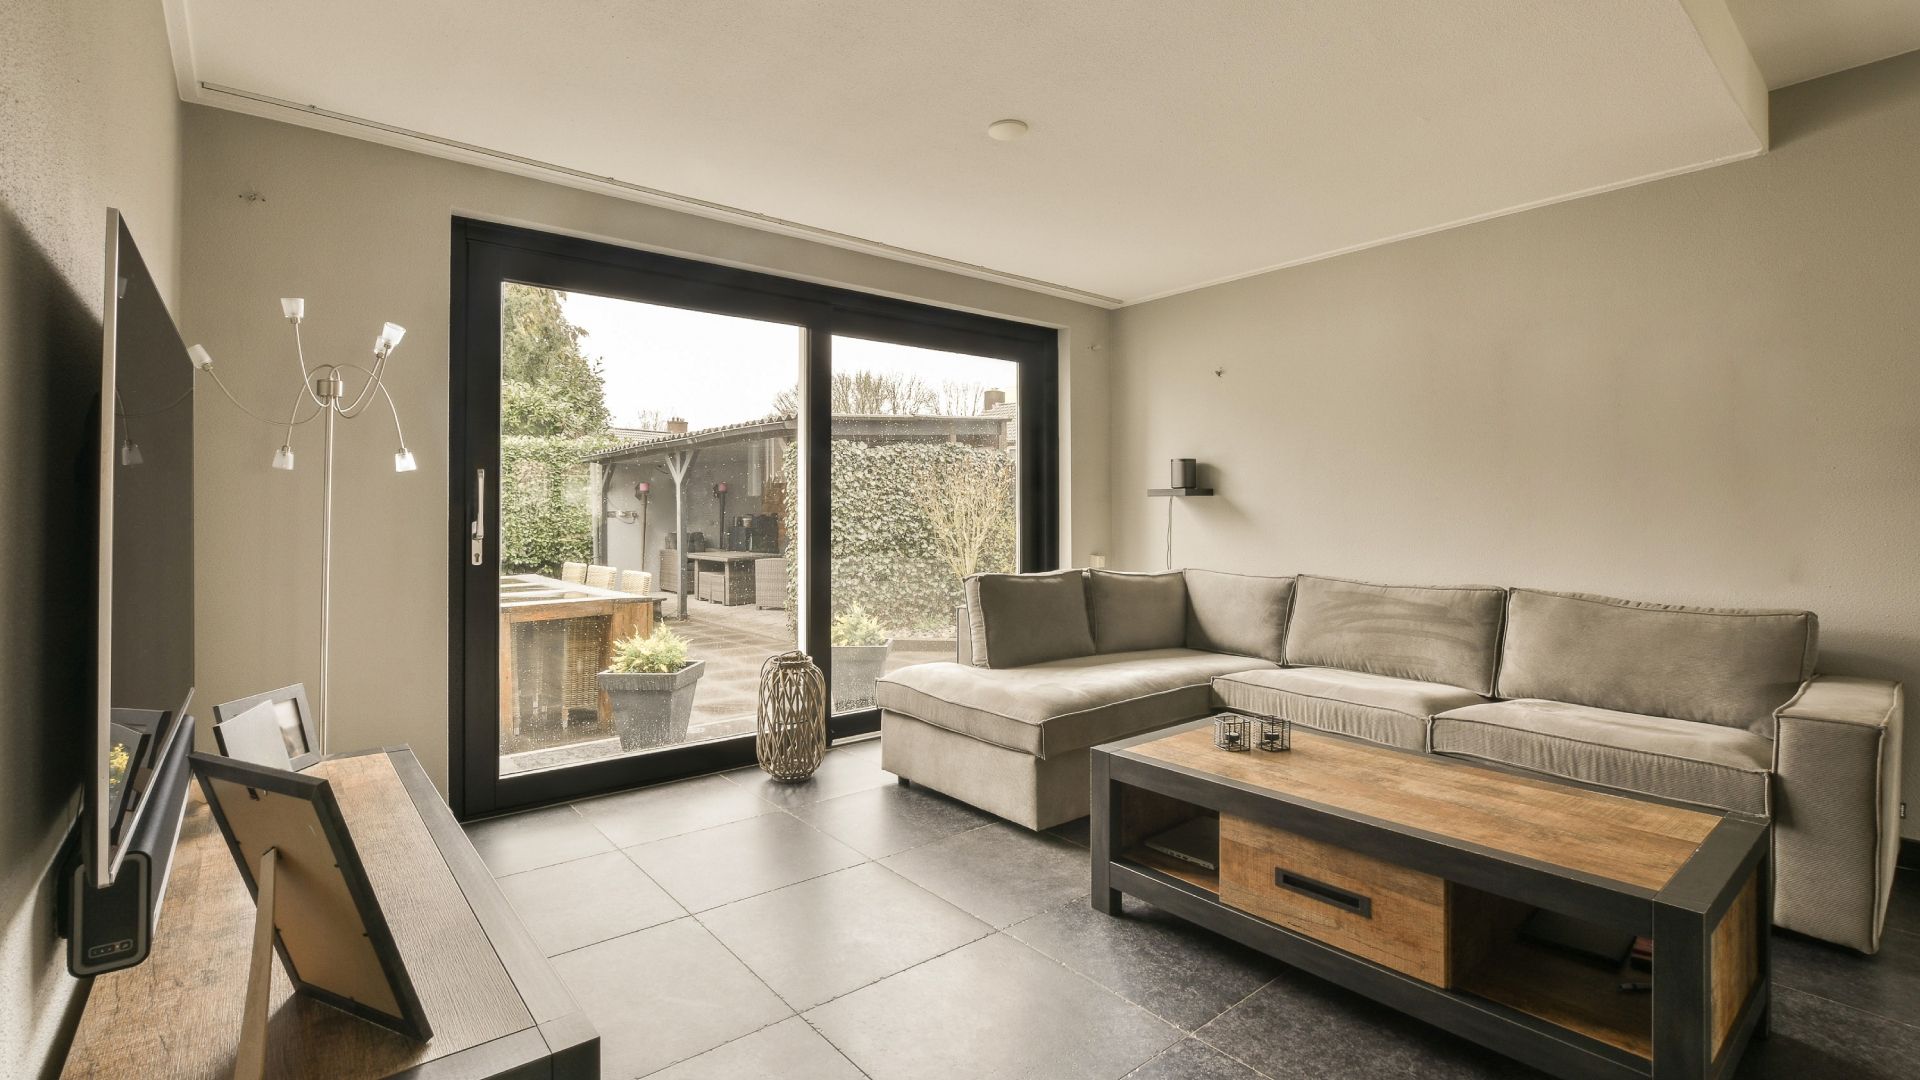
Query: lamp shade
283, 457
293, 307
403, 461
389, 339
200, 357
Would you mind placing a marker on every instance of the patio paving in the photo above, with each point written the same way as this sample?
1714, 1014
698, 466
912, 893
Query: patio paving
734, 641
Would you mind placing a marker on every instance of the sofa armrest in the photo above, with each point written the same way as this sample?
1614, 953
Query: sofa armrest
1836, 807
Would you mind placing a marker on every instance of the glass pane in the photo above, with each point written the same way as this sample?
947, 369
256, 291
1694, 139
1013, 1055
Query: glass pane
613, 414
924, 460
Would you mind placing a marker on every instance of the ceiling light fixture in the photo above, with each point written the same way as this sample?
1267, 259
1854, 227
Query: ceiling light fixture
1006, 130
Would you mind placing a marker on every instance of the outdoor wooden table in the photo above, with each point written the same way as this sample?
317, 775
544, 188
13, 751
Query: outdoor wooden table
727, 561
528, 598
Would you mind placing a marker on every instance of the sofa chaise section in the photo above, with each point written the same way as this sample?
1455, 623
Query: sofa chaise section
1014, 741
1052, 664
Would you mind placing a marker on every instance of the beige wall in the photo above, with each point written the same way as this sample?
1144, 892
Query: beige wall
89, 118
363, 233
1702, 390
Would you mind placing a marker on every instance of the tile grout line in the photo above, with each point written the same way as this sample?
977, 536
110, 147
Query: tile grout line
738, 959
991, 930
574, 806
1193, 1033
1204, 1041
711, 1049
684, 913
617, 937
1110, 991
852, 1064
918, 963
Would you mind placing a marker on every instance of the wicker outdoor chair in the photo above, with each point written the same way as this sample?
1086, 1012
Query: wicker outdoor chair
574, 572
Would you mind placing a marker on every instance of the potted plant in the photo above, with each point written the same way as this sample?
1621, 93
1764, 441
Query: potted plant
649, 686
859, 653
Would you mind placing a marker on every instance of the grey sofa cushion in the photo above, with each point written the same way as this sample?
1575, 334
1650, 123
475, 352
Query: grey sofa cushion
1062, 705
1021, 619
1712, 665
1241, 614
1721, 767
1377, 708
1137, 611
1443, 635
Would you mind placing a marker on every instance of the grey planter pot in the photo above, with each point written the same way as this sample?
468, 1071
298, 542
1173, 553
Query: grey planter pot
855, 669
652, 710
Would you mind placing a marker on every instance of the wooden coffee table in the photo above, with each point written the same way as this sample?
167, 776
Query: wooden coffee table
1406, 877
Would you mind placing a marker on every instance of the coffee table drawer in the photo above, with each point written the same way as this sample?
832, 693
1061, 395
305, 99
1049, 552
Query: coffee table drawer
1391, 915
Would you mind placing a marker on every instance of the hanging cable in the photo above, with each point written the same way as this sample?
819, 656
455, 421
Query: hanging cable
398, 435
1169, 532
374, 382
119, 407
293, 417
376, 377
267, 420
306, 377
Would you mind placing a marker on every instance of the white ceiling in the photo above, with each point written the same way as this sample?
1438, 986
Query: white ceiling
1173, 145
1797, 40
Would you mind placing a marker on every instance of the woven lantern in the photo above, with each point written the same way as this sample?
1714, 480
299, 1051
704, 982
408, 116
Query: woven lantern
792, 718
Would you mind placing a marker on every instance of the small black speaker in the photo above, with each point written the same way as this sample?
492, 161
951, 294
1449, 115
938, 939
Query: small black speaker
1186, 473
112, 928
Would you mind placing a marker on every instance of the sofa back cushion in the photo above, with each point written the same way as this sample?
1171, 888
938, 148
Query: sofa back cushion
1439, 635
1131, 612
1237, 613
1711, 665
1021, 619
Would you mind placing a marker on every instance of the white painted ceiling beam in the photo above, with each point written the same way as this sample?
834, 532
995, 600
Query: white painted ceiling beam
1170, 146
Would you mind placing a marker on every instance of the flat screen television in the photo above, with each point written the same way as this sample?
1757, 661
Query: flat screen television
143, 469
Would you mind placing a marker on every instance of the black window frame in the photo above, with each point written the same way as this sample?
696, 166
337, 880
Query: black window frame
488, 253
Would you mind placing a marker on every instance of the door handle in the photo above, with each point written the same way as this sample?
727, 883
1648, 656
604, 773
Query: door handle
477, 535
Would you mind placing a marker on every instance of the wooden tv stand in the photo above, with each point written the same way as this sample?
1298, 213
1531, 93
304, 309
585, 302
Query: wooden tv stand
496, 1006
1407, 877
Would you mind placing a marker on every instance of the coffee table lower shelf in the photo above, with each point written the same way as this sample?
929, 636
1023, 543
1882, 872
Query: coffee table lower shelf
1561, 1032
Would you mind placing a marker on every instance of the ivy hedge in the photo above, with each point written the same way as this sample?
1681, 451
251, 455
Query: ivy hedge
544, 516
909, 521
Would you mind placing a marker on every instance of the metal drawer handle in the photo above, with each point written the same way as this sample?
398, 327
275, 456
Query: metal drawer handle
1331, 895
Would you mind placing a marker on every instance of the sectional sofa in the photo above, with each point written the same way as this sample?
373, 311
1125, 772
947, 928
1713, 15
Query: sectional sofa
1719, 708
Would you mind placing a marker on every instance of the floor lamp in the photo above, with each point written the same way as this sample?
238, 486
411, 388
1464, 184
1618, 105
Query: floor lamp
323, 388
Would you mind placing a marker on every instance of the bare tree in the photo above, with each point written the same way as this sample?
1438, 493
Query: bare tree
869, 393
961, 398
967, 498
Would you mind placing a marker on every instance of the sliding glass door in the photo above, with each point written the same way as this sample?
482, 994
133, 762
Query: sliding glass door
924, 454
656, 458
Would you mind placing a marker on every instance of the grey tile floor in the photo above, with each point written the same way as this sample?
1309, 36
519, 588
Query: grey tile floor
728, 927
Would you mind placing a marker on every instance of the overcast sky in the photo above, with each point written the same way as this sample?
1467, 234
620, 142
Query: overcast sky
717, 369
